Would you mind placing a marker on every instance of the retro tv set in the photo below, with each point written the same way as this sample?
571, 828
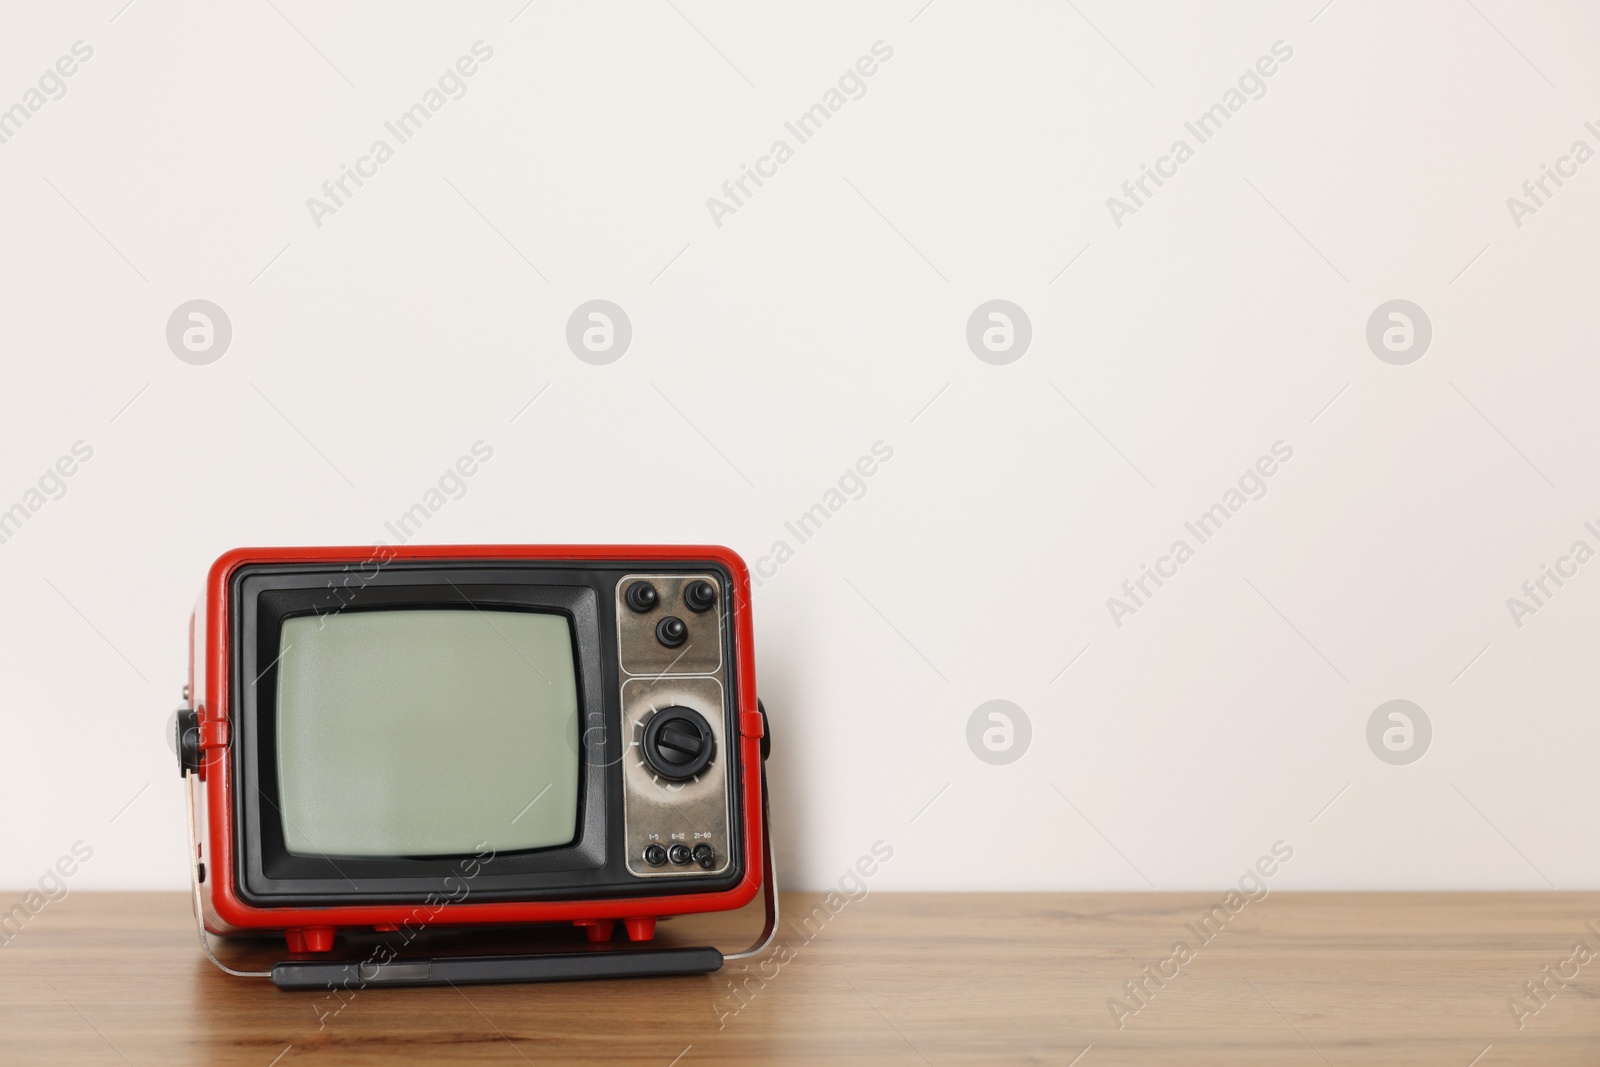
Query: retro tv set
395, 740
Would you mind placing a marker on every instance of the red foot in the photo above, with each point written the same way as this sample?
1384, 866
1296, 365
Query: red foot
309, 938
640, 929
597, 929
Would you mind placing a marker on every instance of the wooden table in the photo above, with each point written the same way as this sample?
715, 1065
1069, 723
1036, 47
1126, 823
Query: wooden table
891, 979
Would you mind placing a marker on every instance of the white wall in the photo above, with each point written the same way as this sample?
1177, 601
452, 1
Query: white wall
827, 313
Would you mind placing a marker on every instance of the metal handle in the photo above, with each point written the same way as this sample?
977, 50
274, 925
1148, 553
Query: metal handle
194, 884
769, 878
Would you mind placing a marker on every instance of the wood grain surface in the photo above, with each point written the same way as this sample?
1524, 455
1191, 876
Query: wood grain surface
1420, 978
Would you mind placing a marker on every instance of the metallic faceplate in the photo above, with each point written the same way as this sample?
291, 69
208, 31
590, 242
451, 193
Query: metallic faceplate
643, 655
656, 810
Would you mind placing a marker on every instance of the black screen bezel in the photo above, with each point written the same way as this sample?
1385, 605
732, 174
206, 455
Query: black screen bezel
593, 865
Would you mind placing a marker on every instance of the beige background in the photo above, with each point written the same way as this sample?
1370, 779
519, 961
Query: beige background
827, 314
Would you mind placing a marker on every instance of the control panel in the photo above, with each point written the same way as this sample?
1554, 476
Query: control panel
674, 722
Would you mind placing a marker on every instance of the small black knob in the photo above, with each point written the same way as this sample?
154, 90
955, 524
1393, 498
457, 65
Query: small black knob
678, 743
642, 596
671, 631
700, 596
705, 856
680, 854
655, 855
187, 740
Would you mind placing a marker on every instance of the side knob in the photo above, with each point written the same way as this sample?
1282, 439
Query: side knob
678, 743
186, 740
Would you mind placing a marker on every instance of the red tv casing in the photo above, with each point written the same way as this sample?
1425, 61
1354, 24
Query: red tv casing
313, 929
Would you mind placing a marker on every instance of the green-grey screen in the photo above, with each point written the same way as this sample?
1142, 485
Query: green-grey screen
427, 732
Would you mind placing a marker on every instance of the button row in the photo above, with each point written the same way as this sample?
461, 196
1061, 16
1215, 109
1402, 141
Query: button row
698, 596
681, 855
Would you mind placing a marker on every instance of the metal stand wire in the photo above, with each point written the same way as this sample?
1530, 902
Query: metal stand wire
769, 879
769, 885
194, 884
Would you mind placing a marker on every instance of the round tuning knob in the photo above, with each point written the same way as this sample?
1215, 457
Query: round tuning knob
678, 743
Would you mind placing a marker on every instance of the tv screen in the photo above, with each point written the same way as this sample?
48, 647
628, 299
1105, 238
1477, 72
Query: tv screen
432, 732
